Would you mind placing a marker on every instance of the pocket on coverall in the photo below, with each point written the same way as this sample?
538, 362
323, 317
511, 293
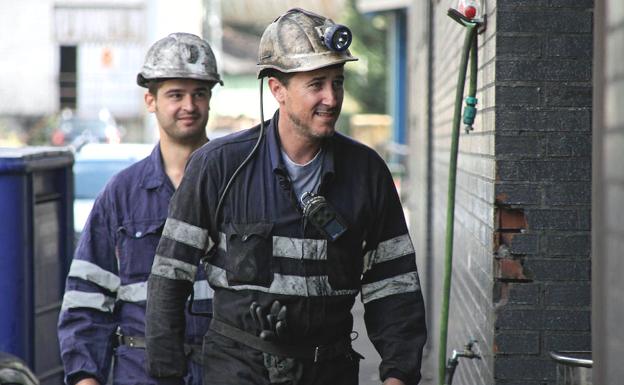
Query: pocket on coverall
249, 254
137, 243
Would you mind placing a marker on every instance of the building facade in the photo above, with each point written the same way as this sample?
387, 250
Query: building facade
521, 265
82, 56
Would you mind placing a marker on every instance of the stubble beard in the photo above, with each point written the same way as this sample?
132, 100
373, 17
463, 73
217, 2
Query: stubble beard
178, 134
305, 130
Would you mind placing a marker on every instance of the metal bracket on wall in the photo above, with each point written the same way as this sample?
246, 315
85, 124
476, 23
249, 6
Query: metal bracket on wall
480, 22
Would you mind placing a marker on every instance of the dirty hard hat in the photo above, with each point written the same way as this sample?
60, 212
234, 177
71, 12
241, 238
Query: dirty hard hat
179, 55
301, 41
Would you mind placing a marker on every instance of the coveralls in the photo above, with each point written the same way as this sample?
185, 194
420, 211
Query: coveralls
107, 283
264, 250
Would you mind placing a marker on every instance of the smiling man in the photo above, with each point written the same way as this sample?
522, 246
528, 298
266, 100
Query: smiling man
103, 314
310, 104
290, 223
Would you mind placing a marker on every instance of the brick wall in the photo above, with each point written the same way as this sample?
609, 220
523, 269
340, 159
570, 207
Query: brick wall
417, 201
471, 305
432, 98
608, 199
542, 238
521, 280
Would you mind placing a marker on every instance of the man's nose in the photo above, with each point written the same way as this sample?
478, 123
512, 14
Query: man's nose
188, 103
330, 96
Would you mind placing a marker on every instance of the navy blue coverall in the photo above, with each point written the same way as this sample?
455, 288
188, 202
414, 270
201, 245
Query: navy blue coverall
264, 250
106, 287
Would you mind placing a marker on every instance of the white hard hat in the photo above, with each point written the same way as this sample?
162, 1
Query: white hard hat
179, 55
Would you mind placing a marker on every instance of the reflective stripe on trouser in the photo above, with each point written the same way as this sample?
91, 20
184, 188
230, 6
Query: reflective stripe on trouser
226, 359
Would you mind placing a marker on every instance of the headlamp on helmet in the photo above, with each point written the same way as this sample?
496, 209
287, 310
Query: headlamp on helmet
301, 41
336, 37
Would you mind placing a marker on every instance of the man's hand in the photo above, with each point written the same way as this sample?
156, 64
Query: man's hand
88, 381
272, 325
393, 381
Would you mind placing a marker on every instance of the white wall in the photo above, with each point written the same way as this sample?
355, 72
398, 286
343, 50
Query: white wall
608, 194
110, 40
107, 79
28, 58
166, 16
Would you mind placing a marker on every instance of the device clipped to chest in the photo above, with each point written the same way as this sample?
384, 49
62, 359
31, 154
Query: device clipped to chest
321, 215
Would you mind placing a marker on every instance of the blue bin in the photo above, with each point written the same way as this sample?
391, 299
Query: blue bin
36, 246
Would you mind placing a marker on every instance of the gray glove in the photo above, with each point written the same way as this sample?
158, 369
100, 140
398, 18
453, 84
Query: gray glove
273, 325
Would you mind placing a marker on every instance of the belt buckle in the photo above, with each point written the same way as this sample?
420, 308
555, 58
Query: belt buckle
120, 337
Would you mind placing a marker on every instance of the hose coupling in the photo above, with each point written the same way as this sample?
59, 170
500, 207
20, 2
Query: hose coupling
470, 111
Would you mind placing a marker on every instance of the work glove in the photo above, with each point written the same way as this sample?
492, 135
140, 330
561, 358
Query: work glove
272, 324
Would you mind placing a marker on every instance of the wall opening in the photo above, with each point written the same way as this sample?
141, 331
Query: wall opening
68, 76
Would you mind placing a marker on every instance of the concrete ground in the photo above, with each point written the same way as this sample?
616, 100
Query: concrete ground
369, 366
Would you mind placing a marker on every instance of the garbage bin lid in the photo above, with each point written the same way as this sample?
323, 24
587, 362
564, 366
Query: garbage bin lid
34, 158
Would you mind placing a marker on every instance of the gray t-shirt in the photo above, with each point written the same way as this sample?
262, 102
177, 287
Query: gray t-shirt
304, 177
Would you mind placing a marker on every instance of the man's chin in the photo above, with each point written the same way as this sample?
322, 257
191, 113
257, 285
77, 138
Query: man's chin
325, 133
190, 135
190, 125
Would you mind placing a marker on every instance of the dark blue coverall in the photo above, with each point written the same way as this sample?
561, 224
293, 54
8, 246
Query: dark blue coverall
106, 287
261, 249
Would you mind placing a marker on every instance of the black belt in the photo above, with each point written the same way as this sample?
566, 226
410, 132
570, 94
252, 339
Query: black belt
194, 351
133, 342
316, 353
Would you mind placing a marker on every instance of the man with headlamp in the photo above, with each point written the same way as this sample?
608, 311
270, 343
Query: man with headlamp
291, 222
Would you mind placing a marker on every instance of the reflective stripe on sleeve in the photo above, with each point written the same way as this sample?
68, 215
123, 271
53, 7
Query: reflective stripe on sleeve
314, 286
404, 283
173, 269
134, 292
188, 234
297, 248
78, 299
137, 292
91, 272
388, 250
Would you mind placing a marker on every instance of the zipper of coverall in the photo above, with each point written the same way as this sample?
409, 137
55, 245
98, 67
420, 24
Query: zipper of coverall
295, 203
319, 191
304, 222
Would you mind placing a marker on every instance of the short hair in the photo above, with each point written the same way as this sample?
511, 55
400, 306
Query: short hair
153, 85
282, 77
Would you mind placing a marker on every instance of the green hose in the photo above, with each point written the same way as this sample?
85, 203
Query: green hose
470, 48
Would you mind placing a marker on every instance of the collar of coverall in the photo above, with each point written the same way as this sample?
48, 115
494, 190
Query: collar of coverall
275, 154
154, 175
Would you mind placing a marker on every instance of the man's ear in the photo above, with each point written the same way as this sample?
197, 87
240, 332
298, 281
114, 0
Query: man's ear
150, 101
277, 89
